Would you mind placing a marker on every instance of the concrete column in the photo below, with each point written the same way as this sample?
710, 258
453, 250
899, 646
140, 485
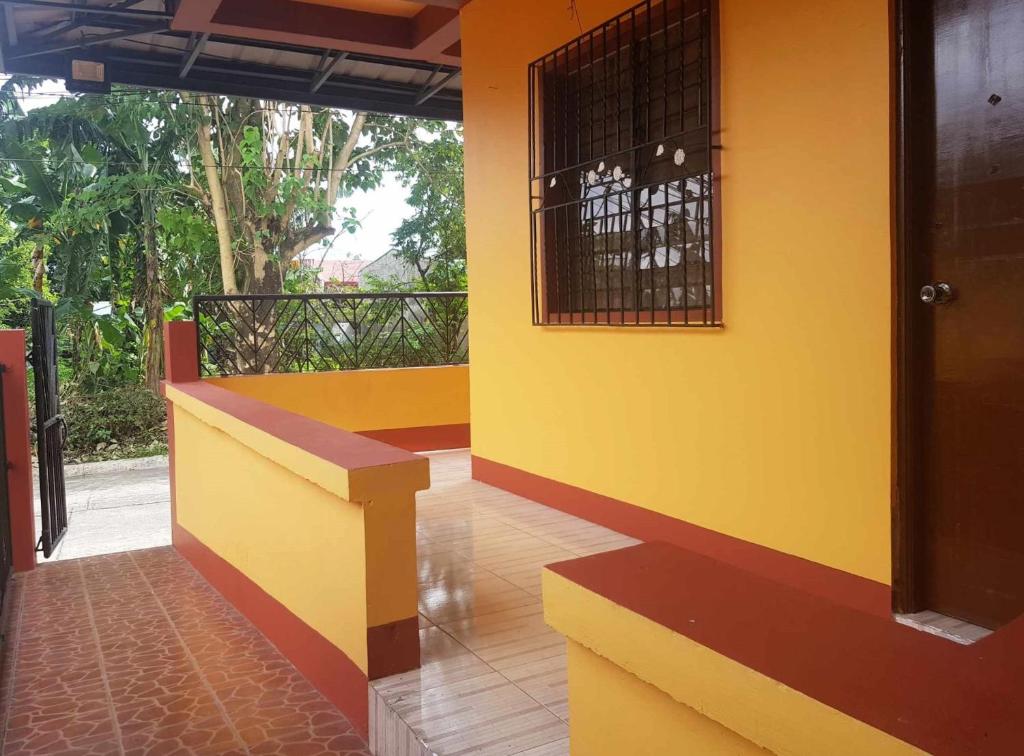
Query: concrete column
19, 448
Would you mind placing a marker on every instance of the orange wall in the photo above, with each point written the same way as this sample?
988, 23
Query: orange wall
364, 400
774, 429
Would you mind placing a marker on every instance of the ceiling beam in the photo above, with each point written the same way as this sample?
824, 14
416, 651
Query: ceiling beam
326, 26
99, 39
4, 31
425, 94
325, 74
91, 9
10, 29
70, 24
452, 4
190, 57
434, 30
213, 76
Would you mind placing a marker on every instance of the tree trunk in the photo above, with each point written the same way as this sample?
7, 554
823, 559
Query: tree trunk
218, 204
152, 304
38, 268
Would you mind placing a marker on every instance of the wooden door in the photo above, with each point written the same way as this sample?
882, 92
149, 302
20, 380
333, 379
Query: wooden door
964, 345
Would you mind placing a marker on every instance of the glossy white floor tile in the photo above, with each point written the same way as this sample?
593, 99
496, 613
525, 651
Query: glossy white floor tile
493, 678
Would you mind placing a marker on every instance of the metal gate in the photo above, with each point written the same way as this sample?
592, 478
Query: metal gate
6, 552
51, 430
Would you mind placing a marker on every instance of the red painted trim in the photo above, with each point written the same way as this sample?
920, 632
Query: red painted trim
348, 450
393, 648
19, 449
927, 691
342, 24
320, 661
181, 352
170, 461
434, 30
423, 438
320, 26
194, 15
835, 585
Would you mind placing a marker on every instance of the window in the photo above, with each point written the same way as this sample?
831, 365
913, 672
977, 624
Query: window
621, 172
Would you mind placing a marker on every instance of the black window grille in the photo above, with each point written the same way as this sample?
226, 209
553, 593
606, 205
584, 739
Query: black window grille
621, 172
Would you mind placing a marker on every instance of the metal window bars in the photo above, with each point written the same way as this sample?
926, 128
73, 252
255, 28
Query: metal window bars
255, 334
621, 172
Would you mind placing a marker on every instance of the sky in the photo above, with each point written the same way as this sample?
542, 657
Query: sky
380, 211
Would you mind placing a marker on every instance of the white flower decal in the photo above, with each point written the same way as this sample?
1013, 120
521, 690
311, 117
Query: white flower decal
680, 157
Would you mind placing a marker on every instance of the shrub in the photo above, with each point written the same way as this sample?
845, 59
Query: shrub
113, 423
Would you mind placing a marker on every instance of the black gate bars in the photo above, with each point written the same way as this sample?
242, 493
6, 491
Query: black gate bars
51, 430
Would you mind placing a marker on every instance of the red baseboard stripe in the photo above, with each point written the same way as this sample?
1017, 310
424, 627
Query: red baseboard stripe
842, 587
321, 662
423, 438
393, 648
170, 458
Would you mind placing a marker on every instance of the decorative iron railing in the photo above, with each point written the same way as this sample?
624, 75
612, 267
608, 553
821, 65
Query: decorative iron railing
282, 333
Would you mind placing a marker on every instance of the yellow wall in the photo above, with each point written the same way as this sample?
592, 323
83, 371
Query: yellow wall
361, 400
774, 429
636, 718
260, 503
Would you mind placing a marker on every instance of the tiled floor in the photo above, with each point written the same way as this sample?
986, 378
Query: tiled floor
134, 653
949, 628
493, 679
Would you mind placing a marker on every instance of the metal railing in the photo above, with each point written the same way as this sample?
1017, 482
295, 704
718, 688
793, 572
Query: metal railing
283, 333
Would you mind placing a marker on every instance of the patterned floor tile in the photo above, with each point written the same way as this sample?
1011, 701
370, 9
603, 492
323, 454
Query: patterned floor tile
135, 653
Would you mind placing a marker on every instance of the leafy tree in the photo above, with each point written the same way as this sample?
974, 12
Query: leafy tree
144, 199
15, 274
87, 176
433, 239
271, 176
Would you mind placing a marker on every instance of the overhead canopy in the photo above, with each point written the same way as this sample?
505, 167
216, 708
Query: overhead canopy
390, 56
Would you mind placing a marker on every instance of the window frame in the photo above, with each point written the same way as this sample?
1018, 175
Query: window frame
708, 314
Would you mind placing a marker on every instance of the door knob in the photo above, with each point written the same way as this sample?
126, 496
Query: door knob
936, 293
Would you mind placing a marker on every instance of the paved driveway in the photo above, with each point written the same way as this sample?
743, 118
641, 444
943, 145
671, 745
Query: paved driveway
113, 509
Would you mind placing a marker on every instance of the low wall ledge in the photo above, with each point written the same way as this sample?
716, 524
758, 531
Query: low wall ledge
366, 464
656, 609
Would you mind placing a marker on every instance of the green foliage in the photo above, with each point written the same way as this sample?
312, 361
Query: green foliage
190, 262
103, 190
15, 275
433, 239
130, 418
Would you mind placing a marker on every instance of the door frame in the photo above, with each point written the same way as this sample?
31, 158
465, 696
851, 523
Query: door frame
905, 502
